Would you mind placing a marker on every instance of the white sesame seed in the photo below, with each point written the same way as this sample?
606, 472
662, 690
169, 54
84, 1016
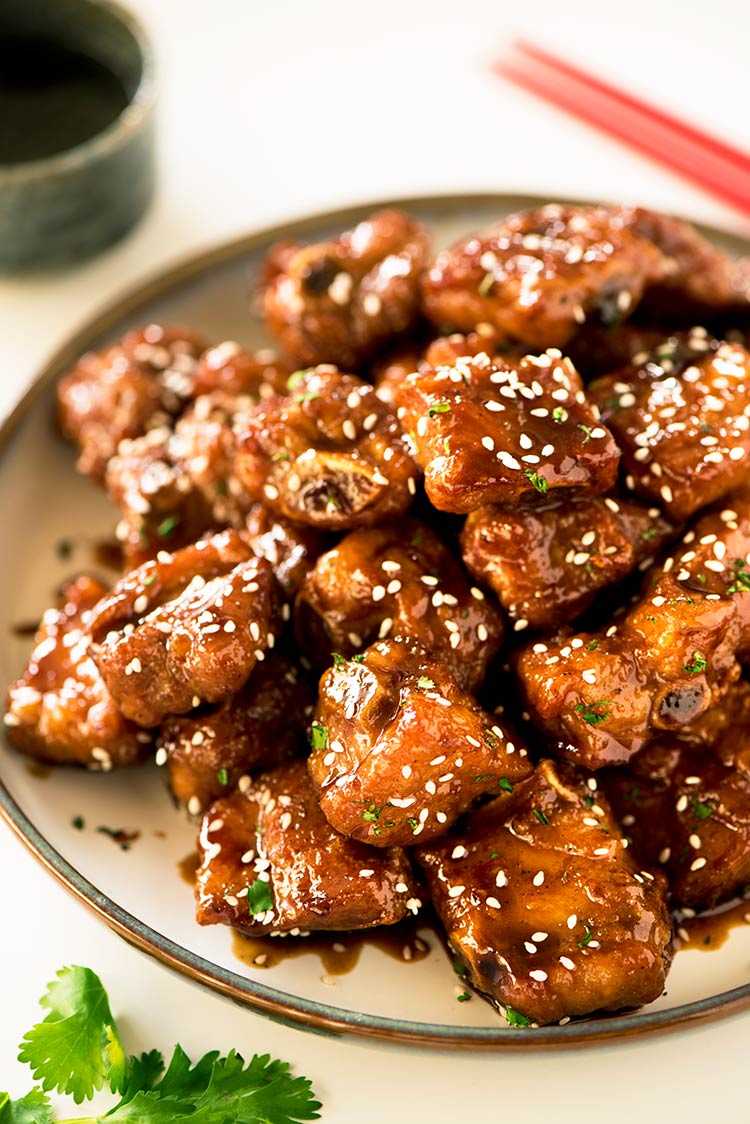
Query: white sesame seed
538, 878
459, 852
492, 902
567, 963
698, 864
456, 891
538, 975
501, 879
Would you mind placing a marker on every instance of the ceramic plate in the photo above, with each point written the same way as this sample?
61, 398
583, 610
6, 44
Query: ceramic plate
138, 890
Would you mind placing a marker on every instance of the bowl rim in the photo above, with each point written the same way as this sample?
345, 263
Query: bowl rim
278, 1005
128, 122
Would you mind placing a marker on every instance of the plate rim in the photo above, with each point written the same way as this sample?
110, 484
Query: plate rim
294, 1010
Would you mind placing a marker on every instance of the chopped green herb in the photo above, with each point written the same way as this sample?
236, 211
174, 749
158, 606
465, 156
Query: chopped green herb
593, 717
78, 823
505, 784
741, 581
485, 285
416, 538
259, 897
459, 968
167, 526
318, 736
649, 534
515, 1018
588, 937
372, 813
425, 683
149, 580
541, 816
697, 666
297, 378
338, 659
483, 777
539, 482
462, 997
308, 396
359, 659
281, 456
223, 777
64, 549
439, 408
494, 854
560, 414
593, 645
413, 824
491, 739
587, 431
701, 811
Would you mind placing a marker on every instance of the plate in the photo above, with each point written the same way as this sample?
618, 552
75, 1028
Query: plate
138, 890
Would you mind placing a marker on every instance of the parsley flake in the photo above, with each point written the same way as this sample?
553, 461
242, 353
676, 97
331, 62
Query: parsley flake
515, 1018
593, 717
505, 784
439, 408
259, 897
541, 816
425, 683
697, 665
539, 482
560, 414
318, 736
587, 432
223, 777
701, 811
167, 526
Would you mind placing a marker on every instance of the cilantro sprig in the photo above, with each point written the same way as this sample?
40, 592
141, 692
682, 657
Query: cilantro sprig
76, 1049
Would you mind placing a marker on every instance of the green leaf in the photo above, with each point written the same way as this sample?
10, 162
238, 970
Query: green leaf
76, 1048
539, 482
259, 897
34, 1108
540, 815
593, 717
559, 413
515, 1018
222, 777
318, 736
701, 811
143, 1074
167, 526
697, 666
439, 408
425, 683
505, 784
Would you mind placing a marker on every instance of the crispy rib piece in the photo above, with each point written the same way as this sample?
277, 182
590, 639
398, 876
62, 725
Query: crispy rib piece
290, 547
185, 629
336, 302
60, 710
602, 697
681, 415
271, 863
688, 814
331, 455
398, 581
125, 389
207, 752
544, 905
400, 751
546, 565
538, 275
496, 432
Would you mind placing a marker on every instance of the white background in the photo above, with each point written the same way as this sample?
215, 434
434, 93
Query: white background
270, 110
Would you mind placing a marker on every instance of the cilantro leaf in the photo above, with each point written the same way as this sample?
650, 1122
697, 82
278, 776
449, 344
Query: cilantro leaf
34, 1108
76, 1048
318, 736
593, 717
515, 1018
259, 897
540, 482
439, 408
697, 664
425, 683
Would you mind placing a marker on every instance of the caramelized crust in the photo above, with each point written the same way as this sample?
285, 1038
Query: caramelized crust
538, 275
681, 415
236, 372
185, 629
496, 432
336, 302
400, 751
544, 905
126, 389
547, 565
331, 455
397, 581
271, 863
290, 548
60, 710
207, 752
688, 814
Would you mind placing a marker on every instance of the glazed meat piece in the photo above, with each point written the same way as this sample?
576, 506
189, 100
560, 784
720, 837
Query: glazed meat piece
400, 751
290, 548
336, 302
597, 350
725, 729
388, 373
185, 629
688, 814
160, 506
60, 710
126, 389
331, 455
682, 419
271, 863
497, 432
236, 372
207, 752
397, 581
547, 565
540, 274
602, 697
544, 905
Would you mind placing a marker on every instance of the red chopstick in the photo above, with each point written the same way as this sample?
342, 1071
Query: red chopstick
711, 164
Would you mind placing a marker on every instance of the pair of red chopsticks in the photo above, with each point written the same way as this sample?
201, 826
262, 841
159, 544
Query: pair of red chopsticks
718, 168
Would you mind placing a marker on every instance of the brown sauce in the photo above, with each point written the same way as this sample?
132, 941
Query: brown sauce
108, 553
338, 953
24, 628
710, 930
188, 867
122, 836
39, 770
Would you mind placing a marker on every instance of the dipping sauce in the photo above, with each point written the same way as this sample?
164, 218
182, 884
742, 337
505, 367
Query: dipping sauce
338, 953
52, 98
710, 930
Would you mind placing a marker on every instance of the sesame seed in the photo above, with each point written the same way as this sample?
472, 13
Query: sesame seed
538, 975
194, 806
698, 864
492, 902
520, 624
406, 771
456, 891
695, 842
459, 852
271, 491
538, 878
501, 879
682, 803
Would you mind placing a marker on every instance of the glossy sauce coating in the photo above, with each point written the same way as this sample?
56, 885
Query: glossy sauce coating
496, 432
544, 905
185, 629
60, 710
400, 751
274, 833
395, 581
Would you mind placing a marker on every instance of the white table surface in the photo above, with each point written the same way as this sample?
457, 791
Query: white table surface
271, 110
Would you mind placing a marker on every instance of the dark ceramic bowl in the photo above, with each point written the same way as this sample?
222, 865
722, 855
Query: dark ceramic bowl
61, 208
